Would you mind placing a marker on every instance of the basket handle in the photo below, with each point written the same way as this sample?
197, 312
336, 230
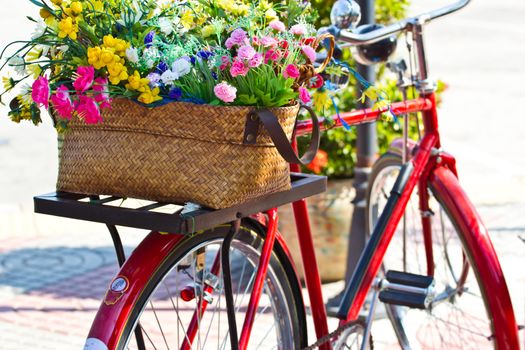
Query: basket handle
330, 50
281, 142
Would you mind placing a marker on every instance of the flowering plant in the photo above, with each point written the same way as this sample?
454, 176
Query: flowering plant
85, 53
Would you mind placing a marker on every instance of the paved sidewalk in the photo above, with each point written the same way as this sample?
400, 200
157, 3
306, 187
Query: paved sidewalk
53, 272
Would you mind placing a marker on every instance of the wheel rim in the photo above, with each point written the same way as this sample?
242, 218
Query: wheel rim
458, 318
165, 328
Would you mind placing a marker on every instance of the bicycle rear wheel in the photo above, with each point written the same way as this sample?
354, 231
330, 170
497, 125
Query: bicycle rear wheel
168, 304
459, 317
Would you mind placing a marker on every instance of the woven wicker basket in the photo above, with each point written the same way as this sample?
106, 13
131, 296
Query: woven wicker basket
177, 152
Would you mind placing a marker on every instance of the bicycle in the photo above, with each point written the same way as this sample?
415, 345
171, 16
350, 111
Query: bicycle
232, 264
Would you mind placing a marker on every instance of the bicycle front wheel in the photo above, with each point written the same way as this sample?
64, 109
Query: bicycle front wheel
191, 276
458, 318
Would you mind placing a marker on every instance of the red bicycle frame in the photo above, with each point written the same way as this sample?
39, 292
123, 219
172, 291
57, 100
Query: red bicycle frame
428, 165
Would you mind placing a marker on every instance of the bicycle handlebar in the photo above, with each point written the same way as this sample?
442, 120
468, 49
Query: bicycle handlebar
382, 33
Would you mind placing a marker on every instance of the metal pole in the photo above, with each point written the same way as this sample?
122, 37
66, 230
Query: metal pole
366, 155
366, 148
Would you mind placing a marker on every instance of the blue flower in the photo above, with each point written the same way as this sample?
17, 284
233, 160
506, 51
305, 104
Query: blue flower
175, 93
214, 75
205, 54
148, 39
162, 67
193, 60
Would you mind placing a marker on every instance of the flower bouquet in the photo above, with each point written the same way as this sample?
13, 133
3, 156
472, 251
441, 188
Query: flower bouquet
155, 98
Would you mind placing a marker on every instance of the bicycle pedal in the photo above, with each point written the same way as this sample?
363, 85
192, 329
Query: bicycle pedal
407, 289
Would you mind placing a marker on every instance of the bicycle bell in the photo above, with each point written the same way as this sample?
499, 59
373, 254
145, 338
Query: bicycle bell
345, 14
377, 52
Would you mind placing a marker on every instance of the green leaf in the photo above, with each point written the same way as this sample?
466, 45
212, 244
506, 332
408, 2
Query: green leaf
247, 100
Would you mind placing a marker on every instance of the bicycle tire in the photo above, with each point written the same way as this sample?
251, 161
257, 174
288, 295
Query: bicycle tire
288, 311
410, 324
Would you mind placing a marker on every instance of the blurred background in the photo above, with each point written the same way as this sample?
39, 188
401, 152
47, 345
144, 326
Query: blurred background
478, 52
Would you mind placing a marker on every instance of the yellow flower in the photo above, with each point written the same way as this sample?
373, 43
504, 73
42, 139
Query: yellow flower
35, 69
242, 10
44, 13
270, 15
226, 4
321, 101
67, 28
98, 5
74, 10
187, 19
8, 83
34, 55
94, 58
118, 45
207, 31
57, 2
117, 72
135, 82
150, 96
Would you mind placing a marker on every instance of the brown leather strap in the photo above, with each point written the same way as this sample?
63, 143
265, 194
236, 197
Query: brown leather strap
281, 142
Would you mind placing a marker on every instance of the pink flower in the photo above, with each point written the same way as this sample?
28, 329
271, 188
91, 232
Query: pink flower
88, 109
229, 43
62, 103
40, 93
277, 25
246, 52
272, 55
291, 71
102, 92
304, 95
298, 29
256, 41
225, 62
256, 60
309, 52
267, 41
238, 36
239, 68
225, 92
84, 78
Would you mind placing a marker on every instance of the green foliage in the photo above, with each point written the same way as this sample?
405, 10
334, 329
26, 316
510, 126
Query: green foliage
264, 87
340, 144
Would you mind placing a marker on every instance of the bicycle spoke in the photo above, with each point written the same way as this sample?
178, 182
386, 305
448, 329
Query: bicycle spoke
158, 323
147, 336
265, 336
179, 321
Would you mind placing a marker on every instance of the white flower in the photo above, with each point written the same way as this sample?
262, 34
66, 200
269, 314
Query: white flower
39, 30
168, 77
45, 49
165, 25
151, 55
181, 67
18, 64
132, 54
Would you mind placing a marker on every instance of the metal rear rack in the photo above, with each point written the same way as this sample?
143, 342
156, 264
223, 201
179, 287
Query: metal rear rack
184, 219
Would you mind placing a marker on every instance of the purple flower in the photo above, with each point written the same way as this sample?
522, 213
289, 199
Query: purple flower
256, 60
175, 93
246, 52
162, 67
238, 36
148, 39
154, 79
